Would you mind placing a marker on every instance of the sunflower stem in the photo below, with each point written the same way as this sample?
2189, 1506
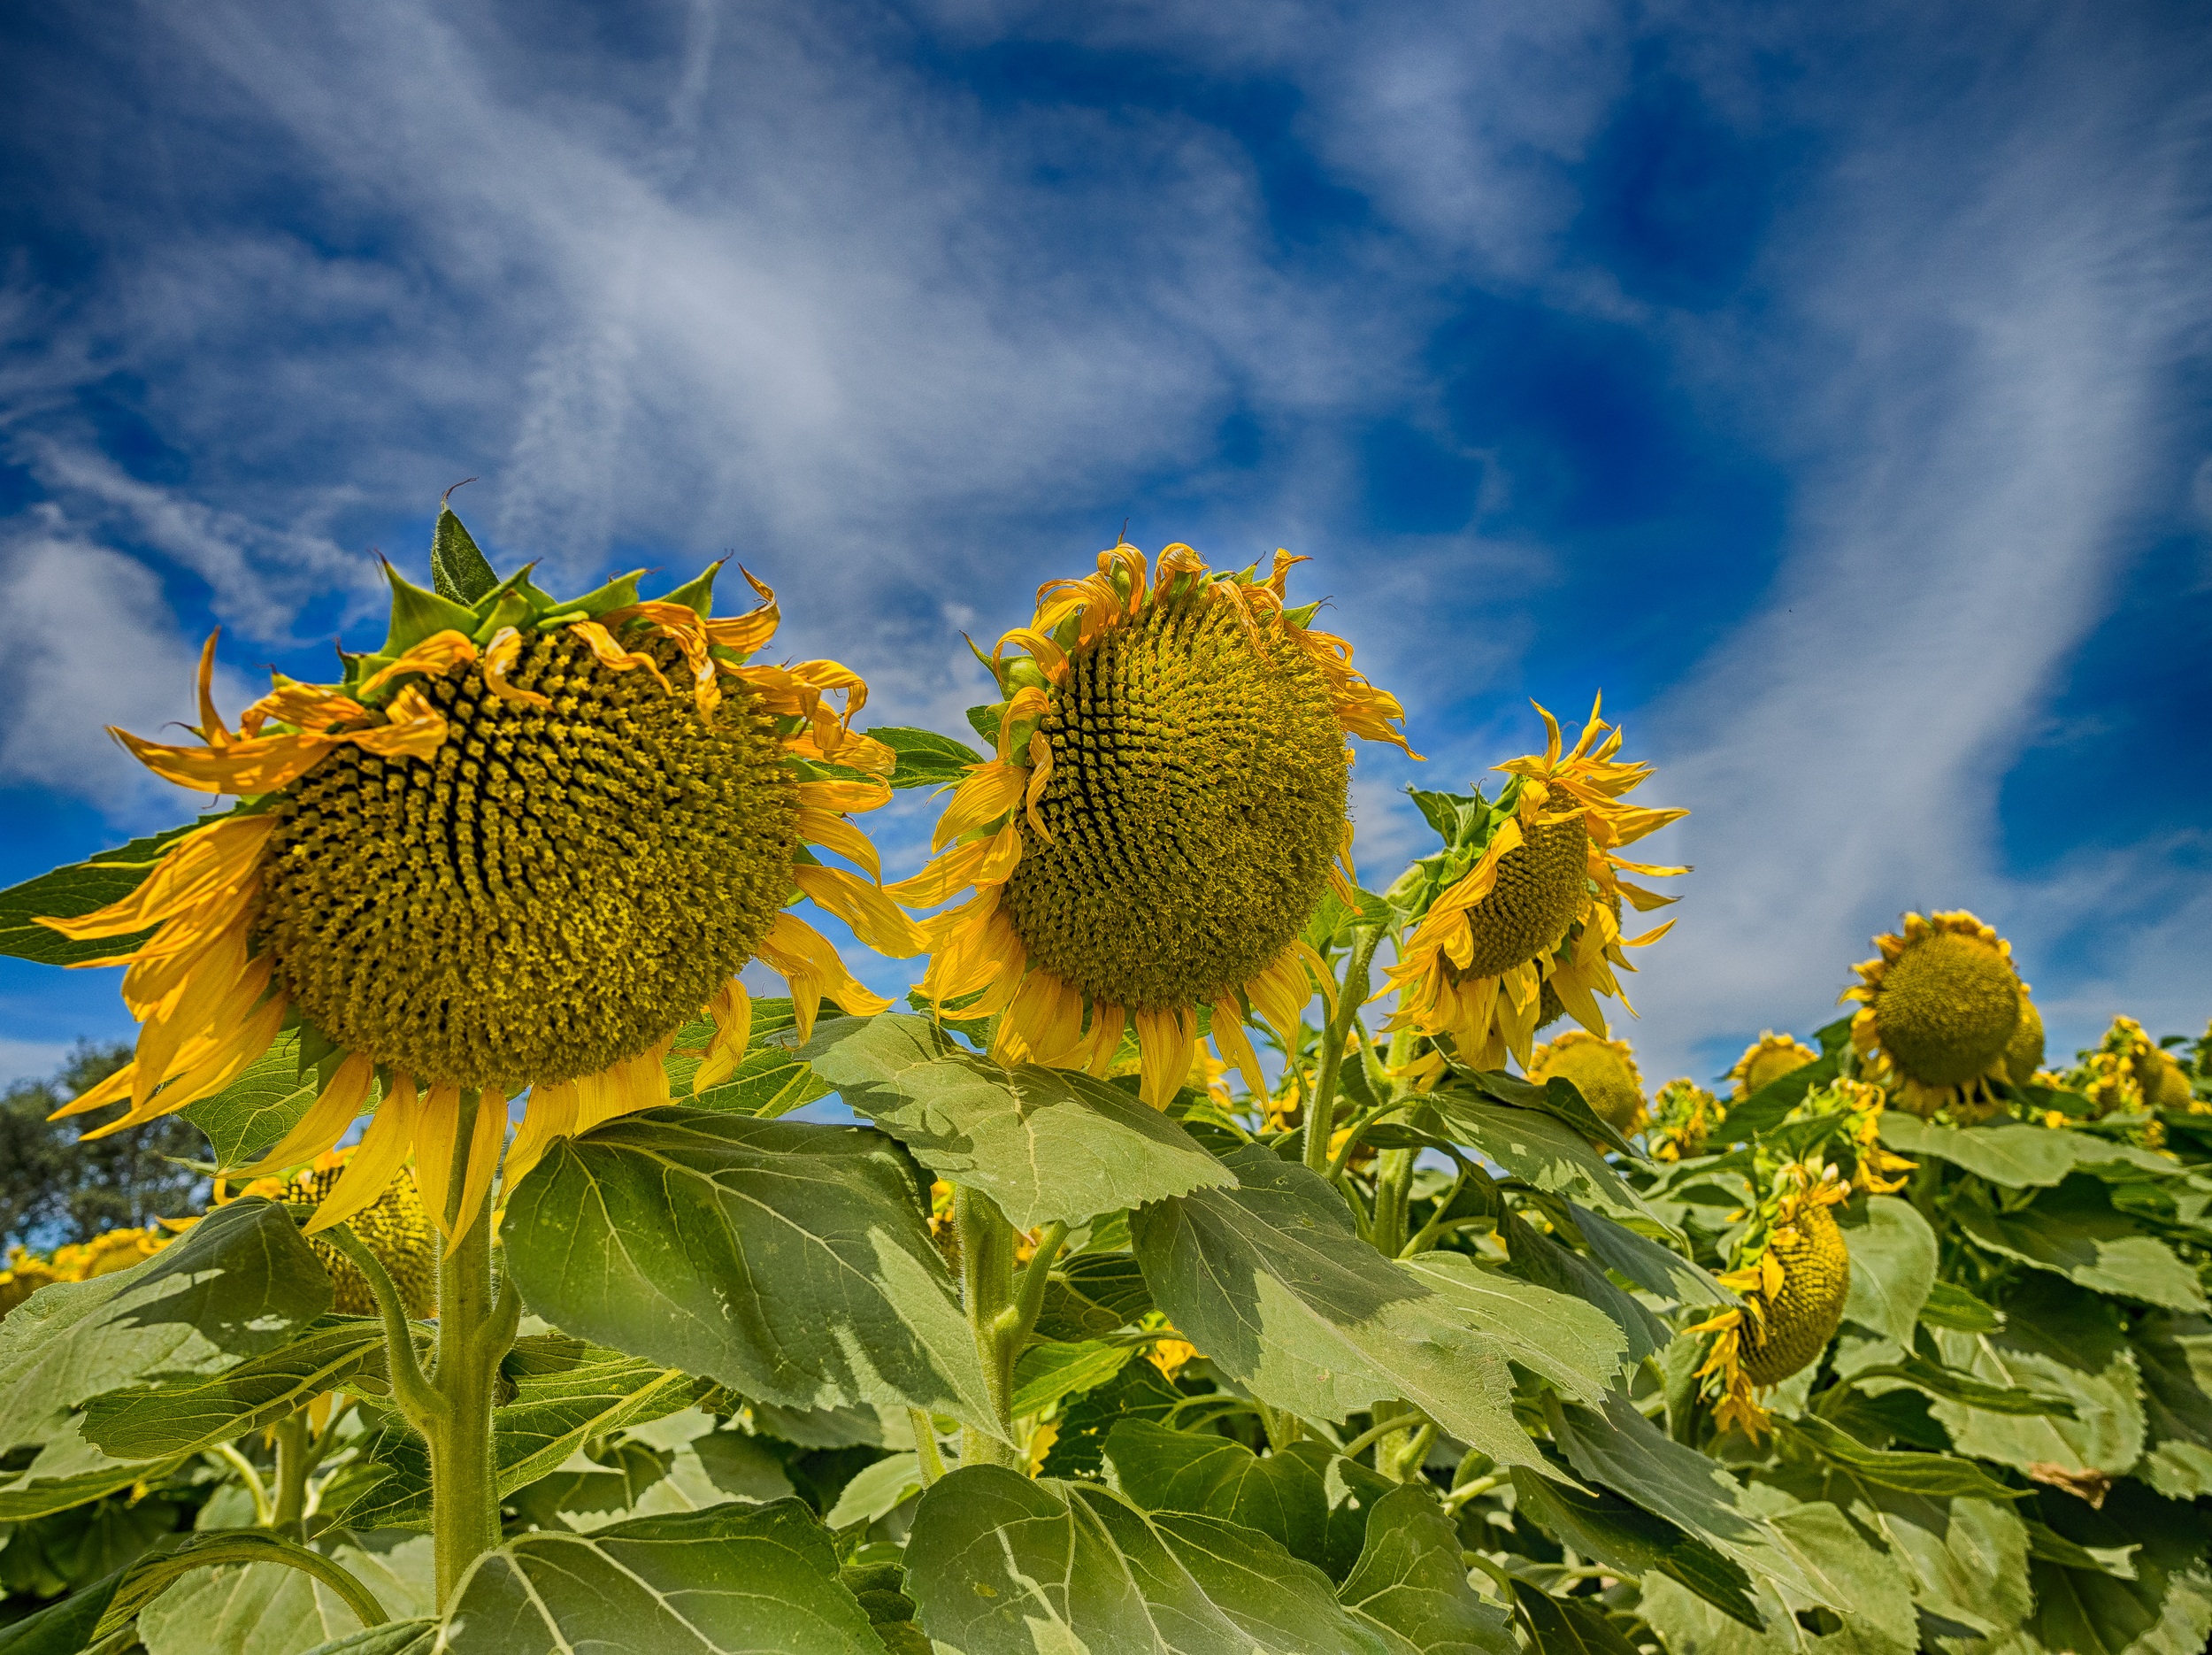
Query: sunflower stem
291, 1470
263, 1513
926, 1454
1350, 996
987, 1281
474, 1329
411, 1388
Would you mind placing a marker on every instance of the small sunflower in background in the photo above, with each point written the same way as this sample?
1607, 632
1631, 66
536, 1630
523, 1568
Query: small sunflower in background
2023, 1053
2129, 1071
1526, 898
395, 1228
518, 845
1167, 807
1795, 1273
1942, 1003
1684, 1118
1603, 1071
1769, 1059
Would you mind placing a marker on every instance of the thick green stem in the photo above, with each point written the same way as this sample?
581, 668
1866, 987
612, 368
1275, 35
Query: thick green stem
1350, 996
292, 1448
987, 1281
1394, 1198
474, 1330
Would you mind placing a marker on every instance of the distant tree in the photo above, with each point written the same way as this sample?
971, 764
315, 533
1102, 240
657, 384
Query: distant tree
55, 1187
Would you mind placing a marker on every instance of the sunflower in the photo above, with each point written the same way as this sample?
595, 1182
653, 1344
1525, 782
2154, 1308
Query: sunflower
1603, 1071
1527, 897
518, 846
1166, 809
1794, 1272
1683, 1117
1769, 1059
2023, 1053
77, 1261
1942, 1003
2129, 1071
394, 1226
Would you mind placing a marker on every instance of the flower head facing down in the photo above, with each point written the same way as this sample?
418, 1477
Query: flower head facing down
519, 846
1520, 915
1167, 807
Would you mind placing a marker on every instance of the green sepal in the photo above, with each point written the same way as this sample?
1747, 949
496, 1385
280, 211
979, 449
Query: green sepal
417, 614
698, 594
985, 721
1302, 616
457, 569
618, 593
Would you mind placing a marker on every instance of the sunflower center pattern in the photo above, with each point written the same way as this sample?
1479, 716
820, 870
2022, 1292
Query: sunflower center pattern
551, 890
1948, 1006
1196, 796
1542, 889
1802, 1317
1606, 1079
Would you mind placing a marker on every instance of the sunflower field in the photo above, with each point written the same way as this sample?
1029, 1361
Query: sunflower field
1213, 1254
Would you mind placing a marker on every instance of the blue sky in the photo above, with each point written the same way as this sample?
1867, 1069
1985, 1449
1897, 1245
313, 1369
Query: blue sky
1828, 386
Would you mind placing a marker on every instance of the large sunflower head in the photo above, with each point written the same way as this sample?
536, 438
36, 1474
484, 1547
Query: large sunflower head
1603, 1071
1769, 1059
518, 845
1942, 1003
1795, 1273
2023, 1052
1526, 897
1166, 808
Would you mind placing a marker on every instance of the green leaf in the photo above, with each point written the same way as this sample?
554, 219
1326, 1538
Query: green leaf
2075, 1232
1768, 1107
998, 1564
2018, 1156
417, 614
1892, 1265
1539, 1260
2057, 1341
881, 1589
394, 1637
567, 1393
1939, 1476
1951, 1306
2166, 1610
785, 1259
268, 1609
1947, 1385
768, 1083
732, 1578
267, 1101
877, 1491
1540, 1148
1045, 1144
1622, 1535
1046, 1372
63, 1628
1968, 1559
1091, 1294
2175, 1355
1655, 1269
1564, 1626
1576, 1346
1625, 1452
926, 760
240, 1284
155, 1575
72, 892
164, 1421
1270, 1280
1140, 1391
1411, 1585
2047, 1544
457, 569
1556, 1097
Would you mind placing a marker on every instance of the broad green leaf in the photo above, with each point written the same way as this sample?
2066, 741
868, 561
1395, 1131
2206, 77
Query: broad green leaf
733, 1578
1140, 1391
768, 1083
998, 1564
1542, 1149
257, 1108
1624, 1536
72, 892
1656, 1268
1560, 1099
154, 1575
2166, 1610
881, 1589
2175, 1355
2047, 1544
1538, 1258
1045, 1144
1312, 1503
785, 1259
1576, 1346
1864, 1606
877, 1491
1968, 1559
708, 1470
167, 1420
567, 1393
1046, 1372
267, 1609
1768, 1107
1093, 1294
1411, 1585
64, 1627
926, 760
1951, 1306
1937, 1476
1625, 1452
1892, 1265
2057, 1341
394, 1637
2018, 1156
459, 571
1270, 1280
2075, 1232
240, 1284
1564, 1626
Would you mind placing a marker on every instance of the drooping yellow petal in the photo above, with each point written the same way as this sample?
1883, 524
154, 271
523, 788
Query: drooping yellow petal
435, 656
380, 1157
326, 1121
438, 1128
832, 832
484, 1144
214, 861
1234, 1046
552, 1114
875, 919
979, 862
499, 660
1166, 1040
733, 1012
806, 961
989, 792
